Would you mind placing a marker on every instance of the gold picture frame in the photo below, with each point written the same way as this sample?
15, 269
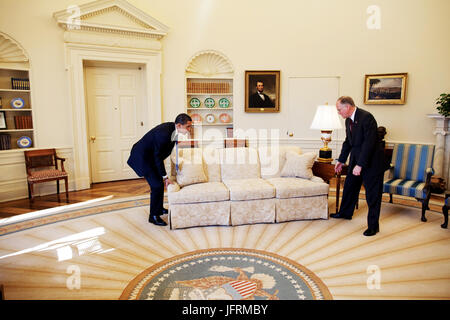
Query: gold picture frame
268, 100
388, 88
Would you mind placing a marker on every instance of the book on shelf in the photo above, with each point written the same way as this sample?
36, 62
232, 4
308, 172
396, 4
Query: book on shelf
20, 84
23, 122
208, 87
5, 141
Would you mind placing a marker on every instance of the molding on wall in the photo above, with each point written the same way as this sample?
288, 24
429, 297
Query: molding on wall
11, 51
84, 18
209, 63
108, 31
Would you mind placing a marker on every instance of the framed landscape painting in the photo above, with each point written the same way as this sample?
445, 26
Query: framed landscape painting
387, 88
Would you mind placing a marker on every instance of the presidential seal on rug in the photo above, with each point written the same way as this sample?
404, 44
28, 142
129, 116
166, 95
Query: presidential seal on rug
227, 274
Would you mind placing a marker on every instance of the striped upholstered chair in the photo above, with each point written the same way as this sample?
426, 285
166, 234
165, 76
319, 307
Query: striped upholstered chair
411, 171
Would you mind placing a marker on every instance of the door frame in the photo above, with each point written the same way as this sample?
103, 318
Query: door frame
141, 88
76, 55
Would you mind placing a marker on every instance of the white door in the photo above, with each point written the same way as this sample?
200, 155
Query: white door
115, 120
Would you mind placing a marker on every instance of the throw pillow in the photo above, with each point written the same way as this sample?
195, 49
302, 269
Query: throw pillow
190, 172
299, 165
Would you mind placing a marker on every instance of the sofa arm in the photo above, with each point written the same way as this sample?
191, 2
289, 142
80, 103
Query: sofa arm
317, 179
173, 187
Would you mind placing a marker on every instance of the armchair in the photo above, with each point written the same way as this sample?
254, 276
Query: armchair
410, 173
37, 164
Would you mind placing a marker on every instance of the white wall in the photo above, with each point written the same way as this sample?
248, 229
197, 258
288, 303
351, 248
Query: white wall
314, 38
300, 38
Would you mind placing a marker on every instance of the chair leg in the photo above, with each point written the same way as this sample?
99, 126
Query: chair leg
445, 213
31, 190
424, 208
66, 182
390, 197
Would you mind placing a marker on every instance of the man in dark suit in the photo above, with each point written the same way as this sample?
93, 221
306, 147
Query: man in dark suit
366, 163
147, 160
260, 99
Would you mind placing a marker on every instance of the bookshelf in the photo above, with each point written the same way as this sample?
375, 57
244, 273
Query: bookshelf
209, 95
210, 103
16, 113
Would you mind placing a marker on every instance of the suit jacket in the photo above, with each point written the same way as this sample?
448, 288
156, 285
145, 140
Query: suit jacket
363, 143
255, 101
148, 154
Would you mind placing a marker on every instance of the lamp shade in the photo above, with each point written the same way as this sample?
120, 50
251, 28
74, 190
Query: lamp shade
326, 118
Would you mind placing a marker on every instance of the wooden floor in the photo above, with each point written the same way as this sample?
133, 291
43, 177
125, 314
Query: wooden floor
136, 187
119, 189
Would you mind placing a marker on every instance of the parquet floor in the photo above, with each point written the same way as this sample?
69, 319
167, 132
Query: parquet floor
136, 187
119, 189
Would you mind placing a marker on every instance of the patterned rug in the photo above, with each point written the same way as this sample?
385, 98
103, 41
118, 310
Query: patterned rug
227, 274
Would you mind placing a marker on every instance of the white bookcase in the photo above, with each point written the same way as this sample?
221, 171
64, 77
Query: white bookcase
209, 95
17, 116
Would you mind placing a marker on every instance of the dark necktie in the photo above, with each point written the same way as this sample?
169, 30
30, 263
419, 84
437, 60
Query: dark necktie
351, 124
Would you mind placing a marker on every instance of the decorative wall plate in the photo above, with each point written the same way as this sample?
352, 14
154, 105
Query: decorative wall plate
196, 117
194, 103
225, 118
210, 103
24, 142
17, 103
224, 103
210, 118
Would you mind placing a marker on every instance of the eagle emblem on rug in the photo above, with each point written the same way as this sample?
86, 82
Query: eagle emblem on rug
226, 288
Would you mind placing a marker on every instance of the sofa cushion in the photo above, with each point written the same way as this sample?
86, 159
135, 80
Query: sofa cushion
249, 189
297, 187
299, 166
239, 163
190, 166
201, 192
273, 158
211, 163
190, 173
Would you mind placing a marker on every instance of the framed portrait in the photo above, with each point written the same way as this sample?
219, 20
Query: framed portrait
262, 91
2, 120
387, 88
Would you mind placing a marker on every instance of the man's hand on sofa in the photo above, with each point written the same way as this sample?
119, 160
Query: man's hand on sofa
338, 167
167, 181
174, 187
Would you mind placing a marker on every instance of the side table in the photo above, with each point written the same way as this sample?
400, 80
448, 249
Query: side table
325, 171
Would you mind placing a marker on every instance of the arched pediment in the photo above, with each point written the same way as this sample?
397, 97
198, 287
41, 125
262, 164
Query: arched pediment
11, 51
209, 63
111, 17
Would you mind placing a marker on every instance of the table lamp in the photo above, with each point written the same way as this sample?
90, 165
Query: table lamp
326, 119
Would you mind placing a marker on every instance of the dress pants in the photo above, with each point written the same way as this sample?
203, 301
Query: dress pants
156, 183
373, 183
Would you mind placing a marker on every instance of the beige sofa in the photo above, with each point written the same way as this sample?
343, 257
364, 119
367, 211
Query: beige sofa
241, 186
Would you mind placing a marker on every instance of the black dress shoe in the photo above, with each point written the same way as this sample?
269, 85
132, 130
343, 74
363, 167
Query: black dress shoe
157, 220
371, 232
340, 216
165, 211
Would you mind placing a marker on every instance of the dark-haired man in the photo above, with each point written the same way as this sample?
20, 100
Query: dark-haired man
366, 163
147, 160
260, 99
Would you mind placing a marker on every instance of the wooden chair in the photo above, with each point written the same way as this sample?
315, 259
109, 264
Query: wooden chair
42, 166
